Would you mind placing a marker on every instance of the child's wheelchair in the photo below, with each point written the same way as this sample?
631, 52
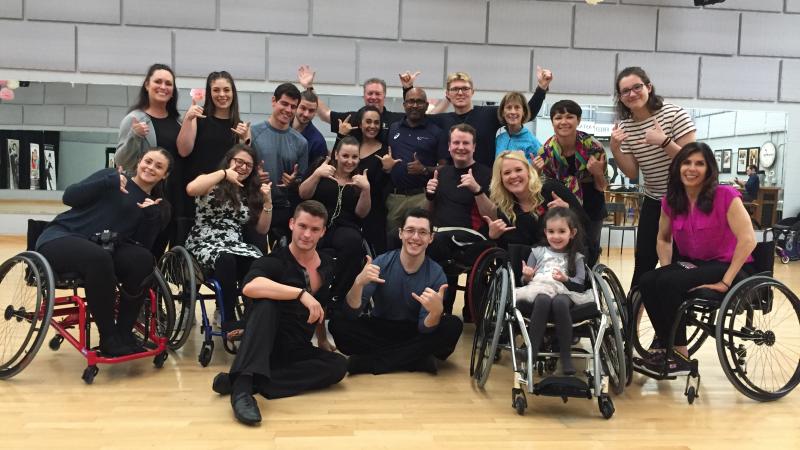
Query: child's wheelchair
504, 325
756, 325
185, 278
28, 299
787, 238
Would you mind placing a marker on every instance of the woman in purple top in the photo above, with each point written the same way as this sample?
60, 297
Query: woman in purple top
713, 236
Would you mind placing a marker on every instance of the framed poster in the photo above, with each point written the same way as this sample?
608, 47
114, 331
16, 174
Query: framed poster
718, 157
110, 153
741, 163
13, 163
752, 157
34, 162
727, 155
50, 167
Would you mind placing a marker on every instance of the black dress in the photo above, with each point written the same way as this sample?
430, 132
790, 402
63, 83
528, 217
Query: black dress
374, 224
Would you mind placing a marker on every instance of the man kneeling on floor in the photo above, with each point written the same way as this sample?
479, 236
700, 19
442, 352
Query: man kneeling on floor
406, 329
276, 357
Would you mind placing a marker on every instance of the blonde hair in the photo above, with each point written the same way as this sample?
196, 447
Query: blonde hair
459, 76
505, 200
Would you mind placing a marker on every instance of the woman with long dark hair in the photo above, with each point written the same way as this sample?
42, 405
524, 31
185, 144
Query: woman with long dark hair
714, 238
227, 200
650, 133
128, 206
153, 121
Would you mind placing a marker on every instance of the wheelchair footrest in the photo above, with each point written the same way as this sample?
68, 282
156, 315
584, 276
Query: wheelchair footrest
560, 386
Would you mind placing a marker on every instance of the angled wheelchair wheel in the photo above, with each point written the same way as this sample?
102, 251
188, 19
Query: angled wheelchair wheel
642, 333
480, 276
491, 326
26, 298
758, 338
165, 306
177, 270
612, 345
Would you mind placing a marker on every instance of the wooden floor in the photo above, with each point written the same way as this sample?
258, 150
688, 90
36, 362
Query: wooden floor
135, 405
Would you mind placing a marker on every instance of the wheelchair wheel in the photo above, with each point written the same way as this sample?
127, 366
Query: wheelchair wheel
612, 345
493, 321
642, 332
164, 313
26, 299
177, 268
480, 276
758, 338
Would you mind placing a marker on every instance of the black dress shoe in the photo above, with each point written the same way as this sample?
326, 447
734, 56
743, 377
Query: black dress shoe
222, 384
245, 408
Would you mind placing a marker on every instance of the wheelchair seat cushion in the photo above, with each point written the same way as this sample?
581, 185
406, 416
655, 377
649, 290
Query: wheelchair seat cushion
68, 280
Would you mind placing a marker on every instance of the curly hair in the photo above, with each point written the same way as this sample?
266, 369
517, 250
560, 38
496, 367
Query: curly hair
676, 191
505, 200
227, 192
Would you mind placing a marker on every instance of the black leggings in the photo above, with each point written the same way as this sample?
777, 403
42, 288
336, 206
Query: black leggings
543, 306
130, 265
346, 243
230, 270
646, 256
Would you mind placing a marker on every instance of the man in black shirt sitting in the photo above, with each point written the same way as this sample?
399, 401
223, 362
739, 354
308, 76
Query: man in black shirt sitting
289, 288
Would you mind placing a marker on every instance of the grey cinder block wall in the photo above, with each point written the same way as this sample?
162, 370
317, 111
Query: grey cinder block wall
743, 53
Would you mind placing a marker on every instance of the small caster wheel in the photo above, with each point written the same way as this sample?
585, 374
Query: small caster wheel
550, 365
785, 259
205, 354
158, 361
539, 368
497, 355
606, 406
519, 402
89, 374
55, 342
691, 394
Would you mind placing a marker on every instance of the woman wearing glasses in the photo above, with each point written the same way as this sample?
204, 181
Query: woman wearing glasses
650, 133
226, 200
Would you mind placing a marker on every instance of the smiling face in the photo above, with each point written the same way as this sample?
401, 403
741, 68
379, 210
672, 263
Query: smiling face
242, 164
347, 158
460, 92
374, 95
634, 93
306, 111
565, 125
283, 110
307, 230
160, 86
221, 94
462, 148
415, 104
371, 124
693, 171
152, 168
513, 114
416, 235
514, 174
558, 233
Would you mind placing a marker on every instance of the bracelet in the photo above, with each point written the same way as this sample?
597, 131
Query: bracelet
666, 142
224, 175
726, 284
300, 295
267, 210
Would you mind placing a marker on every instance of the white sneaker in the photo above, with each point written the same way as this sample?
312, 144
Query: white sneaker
217, 320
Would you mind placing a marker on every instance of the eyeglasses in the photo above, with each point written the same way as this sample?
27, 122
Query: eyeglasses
636, 88
408, 232
242, 163
457, 90
415, 102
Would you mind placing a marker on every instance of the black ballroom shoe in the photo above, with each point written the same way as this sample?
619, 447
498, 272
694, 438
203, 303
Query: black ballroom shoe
245, 408
222, 384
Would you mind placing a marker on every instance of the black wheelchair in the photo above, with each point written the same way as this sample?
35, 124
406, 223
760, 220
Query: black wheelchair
756, 325
503, 325
28, 288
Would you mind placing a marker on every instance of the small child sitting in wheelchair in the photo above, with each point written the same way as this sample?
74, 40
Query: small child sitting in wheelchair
555, 275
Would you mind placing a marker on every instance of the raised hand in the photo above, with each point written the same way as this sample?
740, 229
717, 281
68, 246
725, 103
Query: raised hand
387, 162
557, 202
194, 111
618, 136
266, 192
433, 183
468, 181
148, 202
305, 76
527, 272
242, 130
263, 175
415, 167
497, 227
345, 127
315, 312
361, 181
538, 163
369, 274
595, 165
543, 77
233, 177
123, 180
654, 136
325, 170
407, 78
140, 128
288, 178
432, 301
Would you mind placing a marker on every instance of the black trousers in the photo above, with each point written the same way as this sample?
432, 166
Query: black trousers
345, 244
646, 256
130, 265
394, 345
664, 289
281, 361
230, 270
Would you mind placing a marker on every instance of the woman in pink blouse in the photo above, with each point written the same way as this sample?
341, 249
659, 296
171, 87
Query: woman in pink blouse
714, 238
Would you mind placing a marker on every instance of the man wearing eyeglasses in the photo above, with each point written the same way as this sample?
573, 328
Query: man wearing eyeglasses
484, 119
283, 153
421, 146
406, 329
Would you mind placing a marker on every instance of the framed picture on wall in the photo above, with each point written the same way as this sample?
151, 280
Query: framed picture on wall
741, 163
110, 154
727, 155
752, 157
718, 157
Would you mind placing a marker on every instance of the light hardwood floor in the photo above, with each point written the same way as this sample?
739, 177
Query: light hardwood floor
135, 405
